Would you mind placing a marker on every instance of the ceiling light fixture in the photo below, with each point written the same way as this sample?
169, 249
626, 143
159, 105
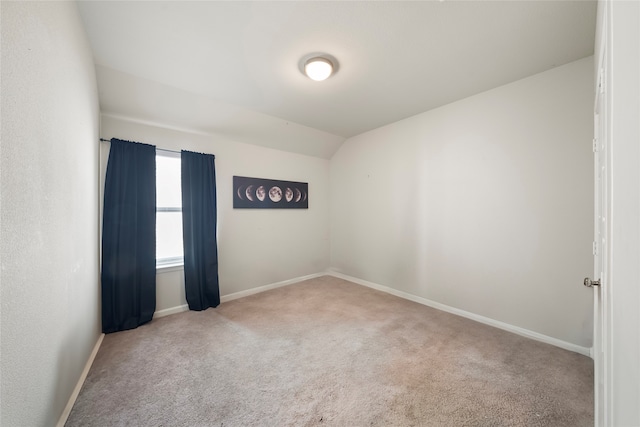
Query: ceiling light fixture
319, 68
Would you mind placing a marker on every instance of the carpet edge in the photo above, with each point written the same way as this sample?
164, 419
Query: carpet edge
472, 316
171, 310
252, 291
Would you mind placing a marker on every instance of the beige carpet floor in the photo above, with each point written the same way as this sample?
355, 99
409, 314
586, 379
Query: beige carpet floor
326, 352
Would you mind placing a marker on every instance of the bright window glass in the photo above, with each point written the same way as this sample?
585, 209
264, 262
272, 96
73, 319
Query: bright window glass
169, 249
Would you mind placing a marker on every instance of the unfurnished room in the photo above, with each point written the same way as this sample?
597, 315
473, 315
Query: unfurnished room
320, 213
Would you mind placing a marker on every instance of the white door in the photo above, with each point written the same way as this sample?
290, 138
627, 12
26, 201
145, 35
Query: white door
617, 320
602, 295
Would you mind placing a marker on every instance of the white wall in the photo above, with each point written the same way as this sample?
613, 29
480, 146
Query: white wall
484, 205
49, 229
255, 247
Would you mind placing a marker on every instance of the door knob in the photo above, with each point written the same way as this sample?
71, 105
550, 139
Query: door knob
591, 283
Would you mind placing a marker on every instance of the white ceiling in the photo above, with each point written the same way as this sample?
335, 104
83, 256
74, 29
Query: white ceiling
232, 68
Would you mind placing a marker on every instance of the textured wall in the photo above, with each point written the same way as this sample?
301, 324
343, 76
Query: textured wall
256, 247
49, 190
485, 205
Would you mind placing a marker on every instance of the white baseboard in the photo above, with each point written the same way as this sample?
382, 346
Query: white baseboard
259, 289
83, 377
171, 310
491, 322
236, 295
424, 301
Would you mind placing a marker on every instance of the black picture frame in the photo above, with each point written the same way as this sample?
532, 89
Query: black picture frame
260, 193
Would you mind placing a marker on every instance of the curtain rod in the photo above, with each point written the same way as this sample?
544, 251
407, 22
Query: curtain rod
157, 149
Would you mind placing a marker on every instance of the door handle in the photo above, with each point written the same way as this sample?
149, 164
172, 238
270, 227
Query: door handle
591, 283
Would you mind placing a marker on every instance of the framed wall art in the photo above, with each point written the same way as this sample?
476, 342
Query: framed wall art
260, 193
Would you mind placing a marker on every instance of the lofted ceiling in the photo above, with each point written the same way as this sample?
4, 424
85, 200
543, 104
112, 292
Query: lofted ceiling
231, 68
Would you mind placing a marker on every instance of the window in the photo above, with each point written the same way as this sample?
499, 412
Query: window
169, 250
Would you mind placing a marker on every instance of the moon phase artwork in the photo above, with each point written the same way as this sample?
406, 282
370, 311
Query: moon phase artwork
259, 193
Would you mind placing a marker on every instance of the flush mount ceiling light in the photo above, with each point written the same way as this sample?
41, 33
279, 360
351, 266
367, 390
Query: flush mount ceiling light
318, 67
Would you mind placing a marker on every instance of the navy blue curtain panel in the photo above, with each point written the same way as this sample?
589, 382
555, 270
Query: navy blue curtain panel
199, 218
129, 237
